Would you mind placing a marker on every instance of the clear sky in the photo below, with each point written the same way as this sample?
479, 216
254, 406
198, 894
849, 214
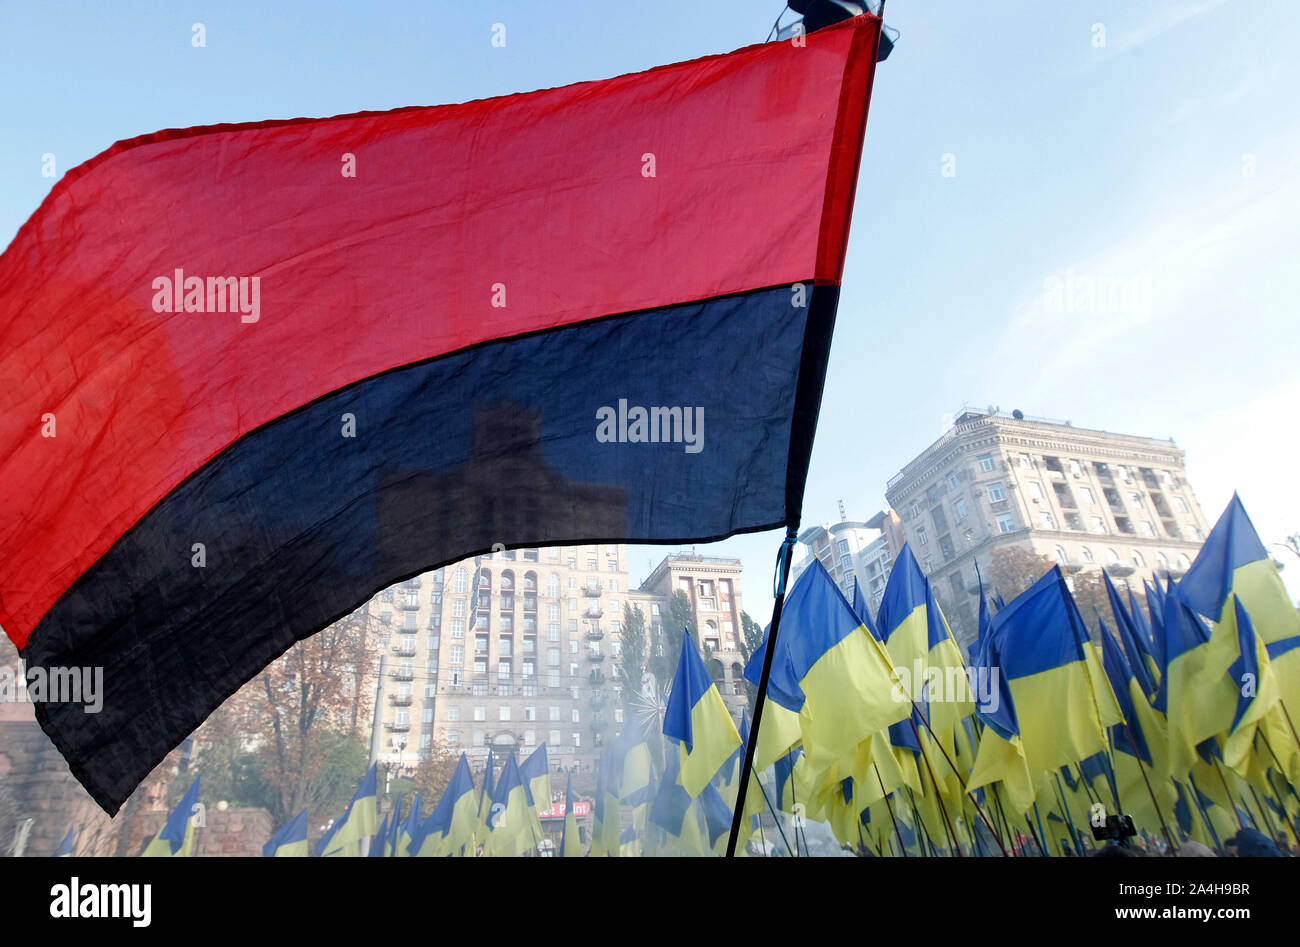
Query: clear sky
1166, 158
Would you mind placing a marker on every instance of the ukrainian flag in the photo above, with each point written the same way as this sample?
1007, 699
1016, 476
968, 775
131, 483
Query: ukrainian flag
449, 829
362, 819
176, 838
1196, 695
780, 727
606, 814
717, 819
698, 720
917, 635
1257, 687
409, 829
380, 847
1234, 561
65, 847
828, 669
1137, 657
536, 775
570, 843
512, 821
290, 841
673, 811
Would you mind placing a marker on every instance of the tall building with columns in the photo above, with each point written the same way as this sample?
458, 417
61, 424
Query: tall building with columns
1088, 499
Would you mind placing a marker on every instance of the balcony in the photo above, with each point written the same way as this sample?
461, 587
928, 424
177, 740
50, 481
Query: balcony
595, 635
404, 651
403, 675
595, 656
397, 727
596, 677
410, 583
590, 592
530, 603
593, 613
400, 700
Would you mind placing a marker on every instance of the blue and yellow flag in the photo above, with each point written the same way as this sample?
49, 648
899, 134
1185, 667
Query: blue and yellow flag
827, 668
449, 829
570, 842
290, 841
409, 829
536, 775
1257, 688
362, 818
698, 720
780, 727
65, 847
1136, 655
380, 846
176, 838
1234, 561
513, 826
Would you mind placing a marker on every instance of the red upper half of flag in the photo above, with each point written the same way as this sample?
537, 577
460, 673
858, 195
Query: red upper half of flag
378, 240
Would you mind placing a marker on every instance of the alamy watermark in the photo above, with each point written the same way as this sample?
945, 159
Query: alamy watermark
938, 685
181, 293
53, 685
653, 425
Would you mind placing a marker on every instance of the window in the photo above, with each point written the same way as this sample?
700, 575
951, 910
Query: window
1075, 469
573, 647
530, 738
1006, 523
986, 462
1181, 505
1035, 491
453, 714
921, 536
1098, 524
480, 713
427, 716
1184, 563
577, 740
461, 582
915, 510
530, 713
503, 647
553, 657
1146, 529
1045, 520
1086, 554
1162, 560
927, 564
555, 738
1112, 557
555, 715
478, 737
952, 481
1061, 557
959, 507
458, 608
503, 712
996, 493
575, 716
1138, 560
1025, 462
1088, 498
453, 737
457, 654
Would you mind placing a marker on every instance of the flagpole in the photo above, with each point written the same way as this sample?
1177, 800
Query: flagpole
1169, 837
1041, 831
782, 577
953, 767
937, 794
1069, 819
776, 817
783, 568
1205, 816
1218, 768
890, 806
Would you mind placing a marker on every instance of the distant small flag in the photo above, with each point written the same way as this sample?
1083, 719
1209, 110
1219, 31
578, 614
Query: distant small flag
290, 841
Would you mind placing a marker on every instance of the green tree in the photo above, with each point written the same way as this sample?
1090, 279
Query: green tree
633, 659
679, 620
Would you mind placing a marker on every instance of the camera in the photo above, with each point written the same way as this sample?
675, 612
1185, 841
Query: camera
1116, 828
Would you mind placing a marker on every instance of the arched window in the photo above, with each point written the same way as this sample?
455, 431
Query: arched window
507, 580
1061, 557
1112, 557
1184, 563
461, 581
1138, 560
1162, 561
530, 581
1086, 554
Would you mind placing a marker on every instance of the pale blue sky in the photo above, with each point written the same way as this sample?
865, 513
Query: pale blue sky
1122, 162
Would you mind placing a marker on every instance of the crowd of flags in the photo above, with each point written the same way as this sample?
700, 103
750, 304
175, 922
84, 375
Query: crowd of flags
1181, 716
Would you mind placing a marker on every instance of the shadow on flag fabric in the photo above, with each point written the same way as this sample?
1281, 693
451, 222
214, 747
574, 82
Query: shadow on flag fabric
536, 776
290, 841
698, 720
362, 818
176, 838
223, 436
570, 842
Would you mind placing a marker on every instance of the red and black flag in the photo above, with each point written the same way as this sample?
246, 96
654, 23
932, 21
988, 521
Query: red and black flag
255, 373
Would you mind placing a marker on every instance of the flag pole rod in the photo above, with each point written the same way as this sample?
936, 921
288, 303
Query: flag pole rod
1205, 816
1236, 810
776, 817
952, 836
890, 806
1065, 808
1169, 836
922, 834
782, 577
953, 767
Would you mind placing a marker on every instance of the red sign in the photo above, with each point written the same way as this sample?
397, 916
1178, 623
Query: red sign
556, 811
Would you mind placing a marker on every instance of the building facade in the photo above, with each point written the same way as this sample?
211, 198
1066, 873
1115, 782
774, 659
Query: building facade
852, 549
712, 586
522, 647
1088, 499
